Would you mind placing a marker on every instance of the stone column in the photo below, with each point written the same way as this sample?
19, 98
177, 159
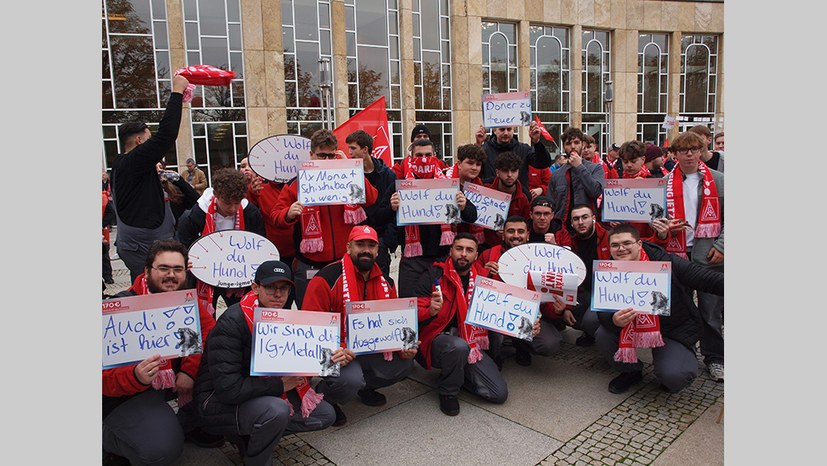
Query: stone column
339, 38
178, 59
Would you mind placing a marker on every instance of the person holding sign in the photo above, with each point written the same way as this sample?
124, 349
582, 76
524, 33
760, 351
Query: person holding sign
321, 231
254, 412
507, 166
505, 139
695, 193
424, 244
137, 421
470, 158
673, 337
357, 277
221, 207
448, 343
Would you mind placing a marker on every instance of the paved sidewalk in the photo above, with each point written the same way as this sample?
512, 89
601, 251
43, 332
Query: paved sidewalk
559, 412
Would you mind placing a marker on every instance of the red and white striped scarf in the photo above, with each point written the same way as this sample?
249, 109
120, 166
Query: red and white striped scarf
642, 173
204, 291
379, 287
709, 218
312, 238
474, 229
310, 399
476, 337
642, 332
423, 168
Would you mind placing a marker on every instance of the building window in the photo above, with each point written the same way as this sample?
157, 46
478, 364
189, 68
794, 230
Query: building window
432, 72
499, 57
596, 72
212, 36
373, 64
652, 87
136, 79
550, 74
699, 80
306, 37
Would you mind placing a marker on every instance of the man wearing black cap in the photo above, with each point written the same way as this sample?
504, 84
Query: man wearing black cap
612, 166
143, 214
356, 277
540, 226
254, 412
420, 132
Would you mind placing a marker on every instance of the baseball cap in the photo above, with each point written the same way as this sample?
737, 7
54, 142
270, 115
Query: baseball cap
273, 271
653, 152
542, 201
614, 147
361, 232
420, 129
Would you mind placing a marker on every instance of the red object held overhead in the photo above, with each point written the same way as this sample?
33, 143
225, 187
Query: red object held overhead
206, 75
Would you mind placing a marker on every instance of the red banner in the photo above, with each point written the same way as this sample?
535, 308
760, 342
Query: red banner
543, 129
374, 121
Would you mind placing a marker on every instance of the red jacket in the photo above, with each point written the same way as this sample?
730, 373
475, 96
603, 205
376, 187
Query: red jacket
325, 292
520, 205
266, 199
334, 229
539, 178
491, 254
121, 381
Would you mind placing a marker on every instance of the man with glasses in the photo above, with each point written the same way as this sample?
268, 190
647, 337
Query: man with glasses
254, 412
320, 231
137, 421
671, 338
540, 228
695, 195
143, 215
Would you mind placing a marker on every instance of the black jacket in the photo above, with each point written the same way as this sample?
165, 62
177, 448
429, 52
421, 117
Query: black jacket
684, 322
537, 156
191, 223
380, 215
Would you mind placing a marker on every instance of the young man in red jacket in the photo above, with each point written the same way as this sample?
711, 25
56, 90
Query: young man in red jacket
320, 231
507, 167
137, 421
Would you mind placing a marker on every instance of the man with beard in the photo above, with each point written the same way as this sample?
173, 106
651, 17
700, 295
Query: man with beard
505, 139
254, 412
547, 342
137, 421
508, 170
356, 277
577, 182
448, 343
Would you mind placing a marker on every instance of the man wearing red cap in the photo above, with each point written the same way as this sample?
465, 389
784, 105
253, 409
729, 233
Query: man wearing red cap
356, 277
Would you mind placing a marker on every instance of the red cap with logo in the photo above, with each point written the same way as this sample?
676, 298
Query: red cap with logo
361, 232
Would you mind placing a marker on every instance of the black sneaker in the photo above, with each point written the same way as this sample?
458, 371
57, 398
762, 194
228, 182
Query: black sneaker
622, 382
341, 419
523, 355
449, 404
371, 397
584, 340
204, 439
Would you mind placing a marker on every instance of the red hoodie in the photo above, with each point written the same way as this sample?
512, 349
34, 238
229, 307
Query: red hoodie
266, 199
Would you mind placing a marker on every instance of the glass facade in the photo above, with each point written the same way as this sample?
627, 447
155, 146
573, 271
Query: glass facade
596, 55
652, 87
699, 80
550, 77
499, 57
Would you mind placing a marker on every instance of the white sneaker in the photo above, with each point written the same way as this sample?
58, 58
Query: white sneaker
716, 371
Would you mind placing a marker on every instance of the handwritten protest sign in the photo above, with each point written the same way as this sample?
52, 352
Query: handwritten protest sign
229, 258
492, 205
506, 109
551, 284
669, 122
516, 262
503, 308
294, 342
276, 158
331, 182
382, 325
427, 202
634, 200
645, 286
137, 327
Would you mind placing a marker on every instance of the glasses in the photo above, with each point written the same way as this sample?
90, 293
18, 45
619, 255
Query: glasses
273, 288
686, 151
165, 269
624, 245
325, 155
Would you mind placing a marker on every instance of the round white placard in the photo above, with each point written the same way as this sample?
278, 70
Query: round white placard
229, 258
515, 263
276, 158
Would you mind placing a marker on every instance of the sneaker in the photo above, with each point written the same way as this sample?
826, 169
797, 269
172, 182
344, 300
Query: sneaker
108, 280
204, 439
371, 397
341, 419
449, 404
584, 340
523, 356
716, 371
622, 382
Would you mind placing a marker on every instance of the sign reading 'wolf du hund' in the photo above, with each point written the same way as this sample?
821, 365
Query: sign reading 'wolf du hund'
276, 158
229, 258
492, 205
641, 200
645, 286
427, 202
382, 325
517, 262
137, 327
294, 342
331, 182
503, 308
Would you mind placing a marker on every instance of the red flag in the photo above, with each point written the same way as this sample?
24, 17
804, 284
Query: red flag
543, 129
374, 121
666, 142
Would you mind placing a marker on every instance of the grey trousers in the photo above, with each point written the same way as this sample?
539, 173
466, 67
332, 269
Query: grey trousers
586, 320
675, 365
711, 308
132, 243
367, 371
450, 354
145, 430
546, 343
264, 420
